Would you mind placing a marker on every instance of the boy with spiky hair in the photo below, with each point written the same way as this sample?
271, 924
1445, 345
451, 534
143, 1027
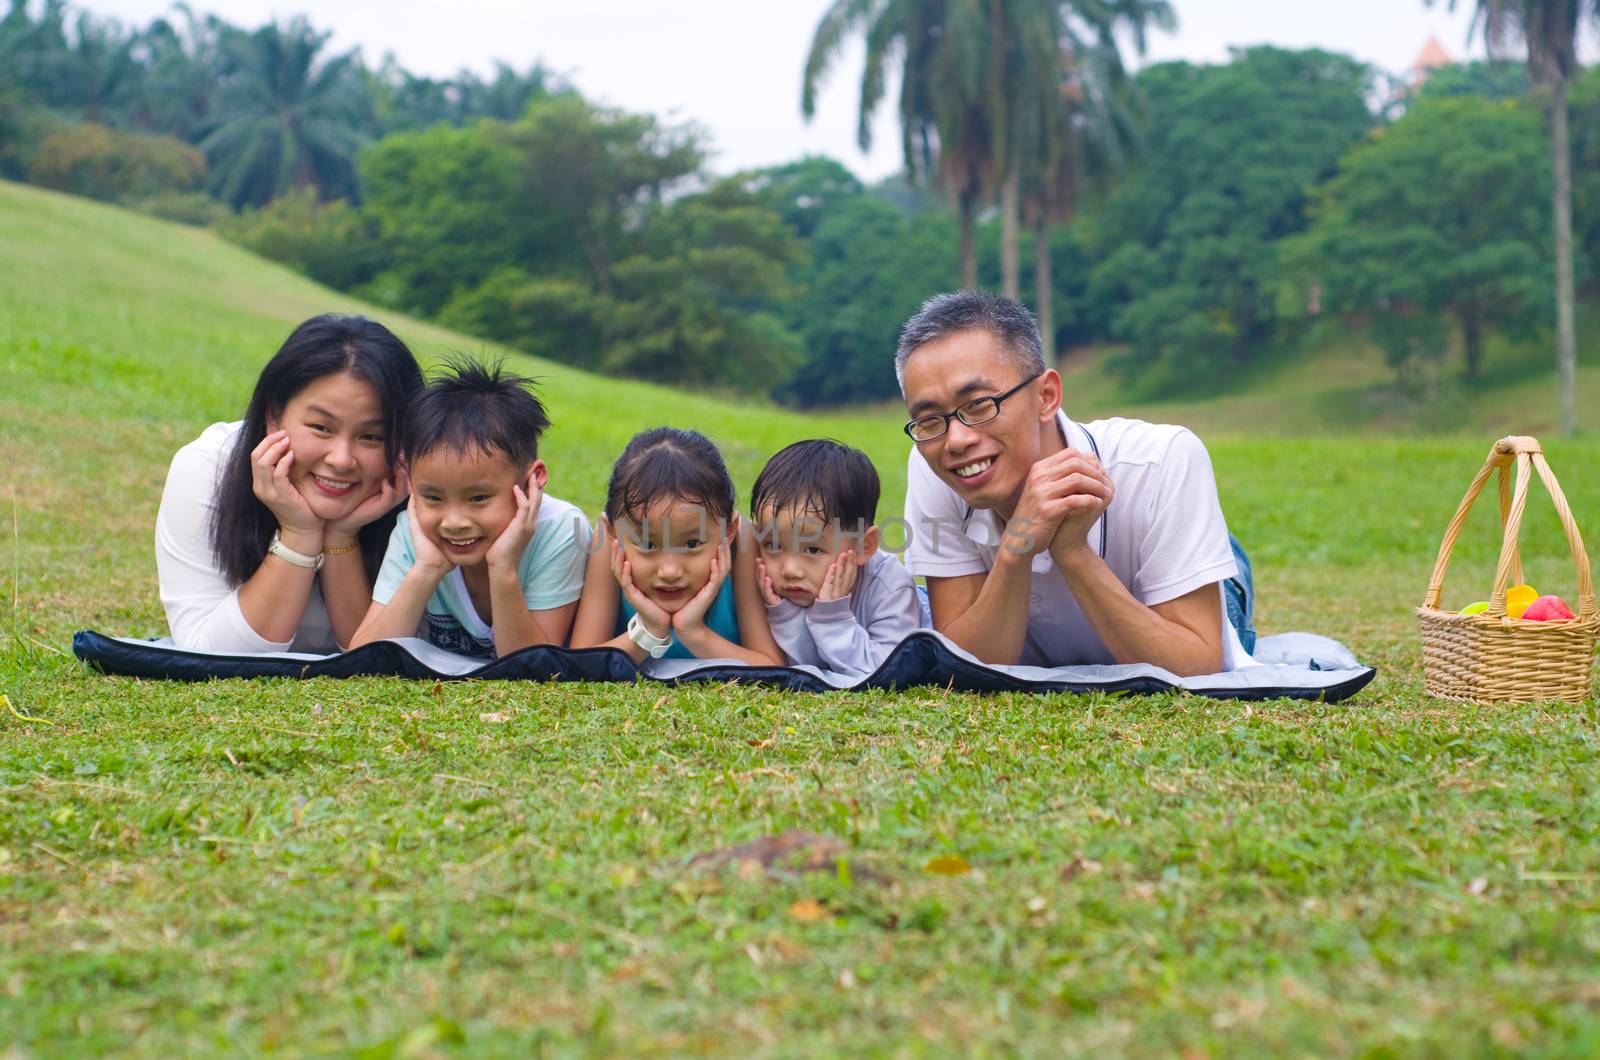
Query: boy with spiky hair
482, 562
834, 599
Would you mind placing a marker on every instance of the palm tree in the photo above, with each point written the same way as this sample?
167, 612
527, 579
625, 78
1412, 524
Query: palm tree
941, 48
1058, 72
1549, 30
182, 61
1094, 144
289, 121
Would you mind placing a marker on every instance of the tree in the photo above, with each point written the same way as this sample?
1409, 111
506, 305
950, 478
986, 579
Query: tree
698, 301
871, 264
1548, 30
1585, 103
182, 64
1076, 164
441, 198
288, 119
941, 49
1056, 71
1435, 219
103, 163
808, 192
1496, 79
586, 175
1186, 244
404, 102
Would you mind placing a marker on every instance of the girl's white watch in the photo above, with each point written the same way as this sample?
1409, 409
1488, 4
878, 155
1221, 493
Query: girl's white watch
289, 555
653, 645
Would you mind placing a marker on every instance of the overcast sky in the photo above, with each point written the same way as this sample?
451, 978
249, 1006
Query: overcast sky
734, 66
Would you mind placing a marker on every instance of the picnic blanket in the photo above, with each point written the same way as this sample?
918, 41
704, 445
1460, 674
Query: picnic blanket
1293, 665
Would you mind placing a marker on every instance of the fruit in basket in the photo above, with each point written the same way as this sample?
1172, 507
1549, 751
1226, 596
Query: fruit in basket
1548, 609
1477, 607
1518, 597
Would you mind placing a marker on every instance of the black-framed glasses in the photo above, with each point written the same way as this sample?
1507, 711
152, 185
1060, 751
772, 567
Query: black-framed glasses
978, 410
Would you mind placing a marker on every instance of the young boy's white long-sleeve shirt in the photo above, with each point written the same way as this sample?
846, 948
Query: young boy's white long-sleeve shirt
853, 634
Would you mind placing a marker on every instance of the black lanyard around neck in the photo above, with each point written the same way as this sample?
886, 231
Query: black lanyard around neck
1095, 448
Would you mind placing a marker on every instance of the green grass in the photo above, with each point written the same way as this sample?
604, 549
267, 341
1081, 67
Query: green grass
1336, 383
400, 868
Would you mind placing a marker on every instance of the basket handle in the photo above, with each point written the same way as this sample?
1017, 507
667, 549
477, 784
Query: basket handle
1525, 454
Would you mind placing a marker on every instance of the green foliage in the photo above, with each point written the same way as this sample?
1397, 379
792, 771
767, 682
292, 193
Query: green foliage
404, 102
584, 174
698, 302
1494, 79
1583, 100
1188, 242
1439, 216
22, 127
807, 192
441, 199
104, 163
871, 265
331, 242
548, 316
185, 207
286, 116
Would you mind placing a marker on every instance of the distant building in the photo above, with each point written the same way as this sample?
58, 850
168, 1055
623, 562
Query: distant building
1430, 58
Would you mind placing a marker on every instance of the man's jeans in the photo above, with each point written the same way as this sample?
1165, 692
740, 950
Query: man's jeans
1239, 596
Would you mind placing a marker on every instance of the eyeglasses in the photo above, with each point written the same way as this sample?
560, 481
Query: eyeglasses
972, 413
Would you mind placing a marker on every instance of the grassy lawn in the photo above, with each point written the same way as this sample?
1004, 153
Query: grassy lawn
394, 868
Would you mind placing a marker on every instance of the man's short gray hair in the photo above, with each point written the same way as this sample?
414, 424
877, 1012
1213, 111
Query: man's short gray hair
956, 311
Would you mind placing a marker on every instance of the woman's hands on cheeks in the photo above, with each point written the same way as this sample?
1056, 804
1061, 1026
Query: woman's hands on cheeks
691, 617
342, 532
270, 462
657, 621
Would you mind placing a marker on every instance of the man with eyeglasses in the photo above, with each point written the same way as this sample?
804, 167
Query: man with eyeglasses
1052, 543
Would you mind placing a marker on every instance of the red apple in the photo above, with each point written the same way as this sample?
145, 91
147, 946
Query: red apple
1548, 609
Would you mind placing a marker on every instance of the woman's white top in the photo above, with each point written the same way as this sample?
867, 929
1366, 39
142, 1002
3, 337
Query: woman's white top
202, 606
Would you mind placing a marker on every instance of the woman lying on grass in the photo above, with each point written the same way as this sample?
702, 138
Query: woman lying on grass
271, 529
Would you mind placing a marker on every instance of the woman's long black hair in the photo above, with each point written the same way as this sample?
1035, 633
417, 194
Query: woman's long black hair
242, 527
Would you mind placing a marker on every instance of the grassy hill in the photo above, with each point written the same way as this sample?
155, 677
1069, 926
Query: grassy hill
1337, 383
397, 868
123, 336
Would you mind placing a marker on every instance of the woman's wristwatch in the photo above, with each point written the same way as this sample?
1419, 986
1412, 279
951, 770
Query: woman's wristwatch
653, 645
289, 555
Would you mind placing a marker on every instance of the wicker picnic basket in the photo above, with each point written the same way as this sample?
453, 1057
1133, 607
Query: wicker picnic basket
1491, 657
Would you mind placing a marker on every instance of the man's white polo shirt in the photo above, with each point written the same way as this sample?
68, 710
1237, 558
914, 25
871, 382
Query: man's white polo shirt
1164, 535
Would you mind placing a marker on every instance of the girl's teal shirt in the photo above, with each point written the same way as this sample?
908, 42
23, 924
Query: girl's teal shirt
722, 619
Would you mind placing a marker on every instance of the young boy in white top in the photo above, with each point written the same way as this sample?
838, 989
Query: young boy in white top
834, 599
482, 562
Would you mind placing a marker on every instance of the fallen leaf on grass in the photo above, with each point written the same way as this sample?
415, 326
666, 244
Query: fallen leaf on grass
808, 911
1078, 867
947, 865
495, 715
1505, 1033
785, 854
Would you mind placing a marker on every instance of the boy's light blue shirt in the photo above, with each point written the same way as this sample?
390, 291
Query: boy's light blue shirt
551, 574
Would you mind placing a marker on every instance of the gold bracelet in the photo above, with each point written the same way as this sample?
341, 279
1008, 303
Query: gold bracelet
351, 547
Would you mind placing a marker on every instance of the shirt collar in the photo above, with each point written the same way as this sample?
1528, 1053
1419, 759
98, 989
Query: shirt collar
984, 526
